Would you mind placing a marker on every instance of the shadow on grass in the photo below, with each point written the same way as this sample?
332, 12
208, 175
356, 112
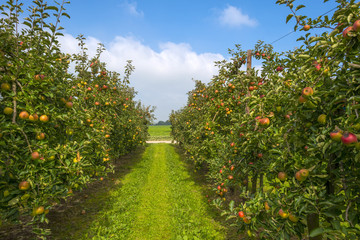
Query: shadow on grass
200, 179
72, 216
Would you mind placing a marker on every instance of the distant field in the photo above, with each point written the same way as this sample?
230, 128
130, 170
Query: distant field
161, 132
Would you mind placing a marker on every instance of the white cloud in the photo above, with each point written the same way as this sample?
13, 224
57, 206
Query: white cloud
132, 9
161, 78
232, 16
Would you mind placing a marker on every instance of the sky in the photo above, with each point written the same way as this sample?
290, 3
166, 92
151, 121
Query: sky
171, 43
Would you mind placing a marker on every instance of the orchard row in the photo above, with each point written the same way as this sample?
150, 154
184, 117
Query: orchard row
58, 130
281, 145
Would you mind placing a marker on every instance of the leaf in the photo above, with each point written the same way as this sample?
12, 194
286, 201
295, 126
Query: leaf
66, 15
13, 201
299, 7
316, 232
231, 205
289, 17
52, 8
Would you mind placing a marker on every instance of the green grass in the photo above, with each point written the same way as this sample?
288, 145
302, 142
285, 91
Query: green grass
160, 132
157, 200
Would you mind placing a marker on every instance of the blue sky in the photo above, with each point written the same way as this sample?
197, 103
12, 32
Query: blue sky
171, 42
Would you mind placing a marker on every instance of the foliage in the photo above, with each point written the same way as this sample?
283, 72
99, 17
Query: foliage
246, 127
58, 130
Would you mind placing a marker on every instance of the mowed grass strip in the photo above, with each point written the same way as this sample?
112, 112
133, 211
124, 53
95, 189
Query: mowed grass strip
192, 218
153, 216
117, 219
160, 132
156, 200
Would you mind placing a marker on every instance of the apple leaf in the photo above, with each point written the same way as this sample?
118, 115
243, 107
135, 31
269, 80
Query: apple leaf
52, 8
231, 205
299, 7
316, 232
289, 17
13, 201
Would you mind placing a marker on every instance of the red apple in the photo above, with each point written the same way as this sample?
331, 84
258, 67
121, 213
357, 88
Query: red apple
279, 69
302, 99
35, 155
349, 139
282, 176
346, 32
264, 121
69, 104
356, 26
24, 115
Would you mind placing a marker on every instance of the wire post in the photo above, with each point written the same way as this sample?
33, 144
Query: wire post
248, 62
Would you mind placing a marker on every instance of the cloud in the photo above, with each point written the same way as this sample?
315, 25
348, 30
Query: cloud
131, 8
161, 78
233, 17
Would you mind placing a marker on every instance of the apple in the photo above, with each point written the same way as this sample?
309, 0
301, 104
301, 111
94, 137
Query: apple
266, 206
304, 173
257, 54
38, 210
24, 115
44, 118
306, 27
264, 121
251, 88
97, 103
356, 26
40, 136
24, 185
107, 136
105, 87
283, 214
69, 104
241, 214
322, 119
260, 155
34, 117
302, 99
279, 69
282, 176
349, 139
318, 67
89, 88
346, 32
307, 91
5, 86
247, 220
35, 155
230, 177
8, 111
298, 176
293, 218
336, 135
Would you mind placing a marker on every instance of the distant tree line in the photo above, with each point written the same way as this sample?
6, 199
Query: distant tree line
167, 122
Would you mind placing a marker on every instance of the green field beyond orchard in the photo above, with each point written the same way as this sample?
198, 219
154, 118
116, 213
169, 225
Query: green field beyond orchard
160, 133
157, 200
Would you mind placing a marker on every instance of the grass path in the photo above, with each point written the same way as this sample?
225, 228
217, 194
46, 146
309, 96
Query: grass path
156, 200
